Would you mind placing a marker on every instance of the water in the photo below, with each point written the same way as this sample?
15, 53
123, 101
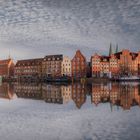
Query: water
103, 111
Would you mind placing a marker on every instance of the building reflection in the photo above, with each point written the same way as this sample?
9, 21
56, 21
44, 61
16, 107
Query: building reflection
66, 93
124, 95
6, 91
52, 94
79, 94
32, 91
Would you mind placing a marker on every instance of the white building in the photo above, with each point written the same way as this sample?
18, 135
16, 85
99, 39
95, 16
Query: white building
66, 66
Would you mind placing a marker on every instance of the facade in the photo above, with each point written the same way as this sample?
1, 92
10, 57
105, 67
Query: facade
121, 63
66, 66
79, 65
51, 66
28, 68
104, 66
129, 62
6, 68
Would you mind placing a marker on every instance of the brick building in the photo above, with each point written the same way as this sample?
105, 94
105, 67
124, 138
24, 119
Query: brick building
129, 62
104, 66
28, 68
51, 65
79, 65
121, 63
6, 68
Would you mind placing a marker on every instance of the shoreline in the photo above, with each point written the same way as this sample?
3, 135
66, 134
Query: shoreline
81, 80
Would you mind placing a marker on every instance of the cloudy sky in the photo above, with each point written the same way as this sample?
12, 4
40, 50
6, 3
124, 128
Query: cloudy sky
35, 28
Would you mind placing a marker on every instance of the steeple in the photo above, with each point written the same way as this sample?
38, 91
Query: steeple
9, 57
117, 48
110, 49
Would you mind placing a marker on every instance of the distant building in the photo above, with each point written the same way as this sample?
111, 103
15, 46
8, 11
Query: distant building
104, 66
129, 62
52, 65
66, 66
6, 68
79, 65
28, 68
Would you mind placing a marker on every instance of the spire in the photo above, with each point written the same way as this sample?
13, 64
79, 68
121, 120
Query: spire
9, 55
117, 48
110, 49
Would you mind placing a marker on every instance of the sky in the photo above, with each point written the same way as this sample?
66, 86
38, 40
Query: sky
35, 28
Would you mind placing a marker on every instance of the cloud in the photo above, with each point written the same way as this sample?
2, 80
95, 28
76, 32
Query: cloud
52, 26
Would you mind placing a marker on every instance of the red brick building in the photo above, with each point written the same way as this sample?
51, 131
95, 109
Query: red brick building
6, 68
121, 63
79, 65
128, 62
104, 65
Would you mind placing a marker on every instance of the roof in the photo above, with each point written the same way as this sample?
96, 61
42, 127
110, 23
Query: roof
29, 62
105, 58
79, 52
133, 54
51, 57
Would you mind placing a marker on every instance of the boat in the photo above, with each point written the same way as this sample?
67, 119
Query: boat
58, 79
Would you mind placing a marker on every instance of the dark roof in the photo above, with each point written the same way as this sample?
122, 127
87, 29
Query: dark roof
118, 54
134, 55
51, 57
29, 62
105, 57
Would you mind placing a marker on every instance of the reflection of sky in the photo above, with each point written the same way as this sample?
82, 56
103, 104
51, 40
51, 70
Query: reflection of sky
34, 28
34, 119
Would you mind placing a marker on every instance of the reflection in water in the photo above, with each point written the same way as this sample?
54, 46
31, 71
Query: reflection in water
6, 91
32, 91
125, 95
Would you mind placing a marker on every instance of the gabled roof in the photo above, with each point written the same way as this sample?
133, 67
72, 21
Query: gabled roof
79, 52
